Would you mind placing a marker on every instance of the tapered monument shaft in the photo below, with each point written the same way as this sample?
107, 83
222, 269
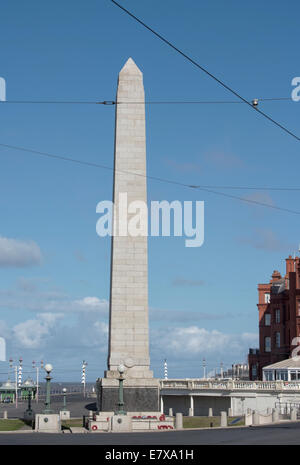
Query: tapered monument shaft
128, 326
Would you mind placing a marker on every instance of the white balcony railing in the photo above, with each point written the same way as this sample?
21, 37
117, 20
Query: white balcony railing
230, 385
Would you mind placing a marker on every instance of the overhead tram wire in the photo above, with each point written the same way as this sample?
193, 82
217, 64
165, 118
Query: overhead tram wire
154, 102
187, 57
154, 178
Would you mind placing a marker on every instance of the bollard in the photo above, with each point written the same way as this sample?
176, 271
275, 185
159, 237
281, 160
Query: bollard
178, 421
170, 412
5, 415
275, 416
255, 417
210, 412
191, 413
230, 412
294, 414
223, 419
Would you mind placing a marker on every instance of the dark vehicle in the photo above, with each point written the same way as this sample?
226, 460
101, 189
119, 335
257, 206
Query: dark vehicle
7, 400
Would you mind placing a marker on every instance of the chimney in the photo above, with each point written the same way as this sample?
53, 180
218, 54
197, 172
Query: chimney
297, 272
289, 264
275, 276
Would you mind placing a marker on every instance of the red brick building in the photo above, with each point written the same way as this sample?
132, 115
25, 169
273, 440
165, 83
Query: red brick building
279, 318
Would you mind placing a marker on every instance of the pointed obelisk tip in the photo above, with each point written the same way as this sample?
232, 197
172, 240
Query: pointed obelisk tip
131, 68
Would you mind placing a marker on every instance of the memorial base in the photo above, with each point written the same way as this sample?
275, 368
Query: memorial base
140, 395
47, 423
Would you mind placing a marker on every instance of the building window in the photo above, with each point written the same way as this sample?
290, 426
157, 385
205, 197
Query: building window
267, 344
295, 375
277, 315
277, 339
267, 319
268, 375
267, 298
282, 375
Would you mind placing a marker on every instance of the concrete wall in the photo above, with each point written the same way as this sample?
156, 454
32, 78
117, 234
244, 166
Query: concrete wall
179, 404
218, 404
240, 402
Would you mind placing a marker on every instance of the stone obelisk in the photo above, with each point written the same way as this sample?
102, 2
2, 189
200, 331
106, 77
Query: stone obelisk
128, 313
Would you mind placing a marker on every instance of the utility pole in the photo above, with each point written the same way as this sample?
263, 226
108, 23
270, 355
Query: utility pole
165, 369
37, 380
20, 371
83, 376
16, 378
10, 366
16, 384
204, 368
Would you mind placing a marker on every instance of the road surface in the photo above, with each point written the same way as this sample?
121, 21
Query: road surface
282, 434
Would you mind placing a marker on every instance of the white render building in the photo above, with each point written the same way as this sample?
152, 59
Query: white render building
286, 370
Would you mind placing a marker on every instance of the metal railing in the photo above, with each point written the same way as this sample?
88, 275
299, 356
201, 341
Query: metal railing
285, 408
230, 385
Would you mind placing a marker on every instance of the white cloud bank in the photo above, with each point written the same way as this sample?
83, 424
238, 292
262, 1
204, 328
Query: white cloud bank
18, 254
192, 341
31, 334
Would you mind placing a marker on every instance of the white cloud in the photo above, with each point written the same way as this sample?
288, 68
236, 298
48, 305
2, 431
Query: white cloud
90, 304
19, 254
193, 341
28, 297
31, 334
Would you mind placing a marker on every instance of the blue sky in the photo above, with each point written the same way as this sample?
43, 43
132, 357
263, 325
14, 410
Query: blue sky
54, 285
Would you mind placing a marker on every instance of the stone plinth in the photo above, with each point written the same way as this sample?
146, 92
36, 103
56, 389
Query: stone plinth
121, 423
64, 415
47, 423
139, 394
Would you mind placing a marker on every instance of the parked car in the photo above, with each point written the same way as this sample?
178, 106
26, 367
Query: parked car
7, 400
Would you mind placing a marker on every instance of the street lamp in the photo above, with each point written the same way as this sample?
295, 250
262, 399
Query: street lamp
65, 400
121, 370
48, 369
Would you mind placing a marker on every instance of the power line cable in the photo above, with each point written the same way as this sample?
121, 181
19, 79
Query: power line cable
105, 102
154, 178
153, 102
205, 71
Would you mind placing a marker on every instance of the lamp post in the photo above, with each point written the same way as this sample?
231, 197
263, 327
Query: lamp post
28, 414
204, 368
16, 384
29, 400
35, 367
48, 369
165, 369
65, 400
83, 375
121, 410
20, 371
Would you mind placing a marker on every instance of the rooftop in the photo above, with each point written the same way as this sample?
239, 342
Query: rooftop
288, 363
